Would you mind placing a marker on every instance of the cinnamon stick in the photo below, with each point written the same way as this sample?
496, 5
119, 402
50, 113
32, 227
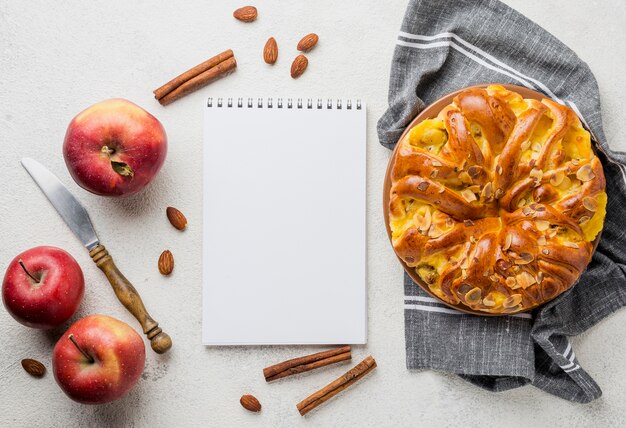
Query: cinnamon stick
220, 70
306, 363
191, 73
335, 387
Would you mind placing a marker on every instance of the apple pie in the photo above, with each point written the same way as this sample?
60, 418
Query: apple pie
496, 202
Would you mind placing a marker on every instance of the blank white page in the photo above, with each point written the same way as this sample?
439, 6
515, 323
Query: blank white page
284, 244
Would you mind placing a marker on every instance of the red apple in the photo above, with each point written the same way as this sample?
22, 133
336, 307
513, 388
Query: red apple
43, 287
98, 359
114, 148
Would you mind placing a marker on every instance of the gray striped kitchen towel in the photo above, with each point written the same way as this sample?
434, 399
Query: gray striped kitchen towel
445, 45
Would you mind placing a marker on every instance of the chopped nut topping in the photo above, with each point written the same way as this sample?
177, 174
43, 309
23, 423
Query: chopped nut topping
487, 191
557, 178
542, 225
473, 296
566, 183
474, 171
468, 195
585, 173
542, 240
571, 244
489, 302
423, 222
536, 173
434, 231
503, 264
524, 259
465, 263
465, 178
507, 242
525, 280
584, 219
512, 301
590, 203
423, 186
436, 163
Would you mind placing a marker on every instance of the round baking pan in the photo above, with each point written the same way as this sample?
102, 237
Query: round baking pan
431, 112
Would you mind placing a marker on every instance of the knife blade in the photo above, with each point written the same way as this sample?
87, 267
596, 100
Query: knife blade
77, 218
68, 207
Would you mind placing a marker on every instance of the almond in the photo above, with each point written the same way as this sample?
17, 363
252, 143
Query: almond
246, 13
33, 367
298, 66
249, 402
270, 51
512, 301
308, 42
178, 220
166, 262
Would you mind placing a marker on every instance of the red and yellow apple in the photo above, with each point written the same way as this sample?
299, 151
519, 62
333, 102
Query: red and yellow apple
99, 359
43, 287
114, 148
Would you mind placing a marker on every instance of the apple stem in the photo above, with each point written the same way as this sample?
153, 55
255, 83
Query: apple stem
27, 272
89, 357
107, 150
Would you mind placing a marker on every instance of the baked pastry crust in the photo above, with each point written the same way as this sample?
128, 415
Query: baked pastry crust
497, 201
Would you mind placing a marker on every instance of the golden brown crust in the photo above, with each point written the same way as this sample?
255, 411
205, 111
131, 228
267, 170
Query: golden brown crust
496, 203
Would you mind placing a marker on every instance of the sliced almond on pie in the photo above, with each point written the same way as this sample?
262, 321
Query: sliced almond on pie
487, 191
525, 280
507, 242
557, 178
473, 296
585, 173
512, 301
590, 203
468, 195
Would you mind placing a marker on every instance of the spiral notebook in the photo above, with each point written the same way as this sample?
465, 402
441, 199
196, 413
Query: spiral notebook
284, 213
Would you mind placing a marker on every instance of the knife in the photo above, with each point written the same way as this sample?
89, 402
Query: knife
77, 218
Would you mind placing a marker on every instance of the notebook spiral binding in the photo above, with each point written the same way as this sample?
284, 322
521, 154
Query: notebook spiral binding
289, 103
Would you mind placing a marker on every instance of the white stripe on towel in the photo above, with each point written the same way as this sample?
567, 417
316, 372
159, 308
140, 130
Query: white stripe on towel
464, 52
572, 365
444, 310
422, 299
567, 349
484, 54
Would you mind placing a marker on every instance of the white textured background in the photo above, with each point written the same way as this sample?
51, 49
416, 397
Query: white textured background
57, 58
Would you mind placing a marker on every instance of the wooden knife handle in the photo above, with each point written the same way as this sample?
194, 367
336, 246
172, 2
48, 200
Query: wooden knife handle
127, 294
